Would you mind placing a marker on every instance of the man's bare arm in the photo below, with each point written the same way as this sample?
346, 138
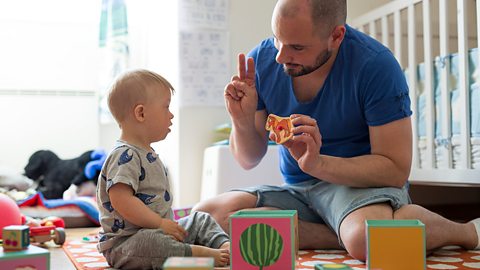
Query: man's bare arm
387, 165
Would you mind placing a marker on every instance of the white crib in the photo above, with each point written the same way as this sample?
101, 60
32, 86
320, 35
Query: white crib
435, 42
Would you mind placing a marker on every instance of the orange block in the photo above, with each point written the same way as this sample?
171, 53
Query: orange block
396, 244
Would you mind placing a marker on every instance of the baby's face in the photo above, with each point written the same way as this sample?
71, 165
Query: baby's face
158, 117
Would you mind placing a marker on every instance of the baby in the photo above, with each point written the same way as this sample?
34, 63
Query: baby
133, 192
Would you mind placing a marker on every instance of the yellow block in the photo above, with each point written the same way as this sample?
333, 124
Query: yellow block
396, 245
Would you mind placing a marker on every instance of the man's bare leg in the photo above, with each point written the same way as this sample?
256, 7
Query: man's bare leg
317, 236
439, 230
224, 205
311, 235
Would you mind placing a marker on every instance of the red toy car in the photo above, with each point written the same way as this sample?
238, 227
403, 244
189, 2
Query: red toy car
47, 233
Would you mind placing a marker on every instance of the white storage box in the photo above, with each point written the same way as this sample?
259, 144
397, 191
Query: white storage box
221, 172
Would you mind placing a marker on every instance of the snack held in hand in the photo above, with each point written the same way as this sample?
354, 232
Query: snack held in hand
282, 127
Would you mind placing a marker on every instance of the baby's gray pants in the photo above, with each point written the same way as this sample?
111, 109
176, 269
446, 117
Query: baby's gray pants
149, 248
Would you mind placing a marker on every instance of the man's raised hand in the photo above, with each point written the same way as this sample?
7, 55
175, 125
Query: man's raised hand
240, 94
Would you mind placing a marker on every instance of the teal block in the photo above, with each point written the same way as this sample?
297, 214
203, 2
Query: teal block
35, 257
332, 266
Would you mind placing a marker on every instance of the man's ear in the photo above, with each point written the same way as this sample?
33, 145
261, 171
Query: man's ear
337, 36
139, 112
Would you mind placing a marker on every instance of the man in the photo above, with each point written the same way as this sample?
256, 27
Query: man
351, 154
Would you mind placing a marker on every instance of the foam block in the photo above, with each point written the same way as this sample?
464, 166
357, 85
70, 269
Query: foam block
396, 244
264, 238
33, 257
188, 263
332, 266
16, 237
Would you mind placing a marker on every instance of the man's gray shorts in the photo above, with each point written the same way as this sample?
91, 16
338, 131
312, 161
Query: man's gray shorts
322, 202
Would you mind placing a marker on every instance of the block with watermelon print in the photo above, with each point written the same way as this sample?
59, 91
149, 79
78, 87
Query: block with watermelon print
264, 240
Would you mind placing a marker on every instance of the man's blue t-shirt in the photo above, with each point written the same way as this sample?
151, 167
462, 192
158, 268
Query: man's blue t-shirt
365, 87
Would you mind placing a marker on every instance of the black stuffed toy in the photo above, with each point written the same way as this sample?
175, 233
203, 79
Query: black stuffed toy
55, 175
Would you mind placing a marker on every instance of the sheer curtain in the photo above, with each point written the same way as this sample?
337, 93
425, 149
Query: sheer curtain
114, 49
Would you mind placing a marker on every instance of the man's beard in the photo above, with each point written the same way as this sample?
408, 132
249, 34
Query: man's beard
322, 58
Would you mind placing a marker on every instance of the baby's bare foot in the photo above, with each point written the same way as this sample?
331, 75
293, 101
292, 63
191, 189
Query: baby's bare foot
220, 256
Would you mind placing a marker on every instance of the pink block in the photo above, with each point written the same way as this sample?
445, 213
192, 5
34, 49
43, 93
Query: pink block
281, 222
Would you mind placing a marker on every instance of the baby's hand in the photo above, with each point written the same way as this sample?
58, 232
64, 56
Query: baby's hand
171, 227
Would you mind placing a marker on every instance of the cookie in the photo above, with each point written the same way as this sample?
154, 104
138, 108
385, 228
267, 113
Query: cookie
282, 127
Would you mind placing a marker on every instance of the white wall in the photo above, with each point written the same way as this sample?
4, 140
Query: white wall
356, 8
47, 81
197, 123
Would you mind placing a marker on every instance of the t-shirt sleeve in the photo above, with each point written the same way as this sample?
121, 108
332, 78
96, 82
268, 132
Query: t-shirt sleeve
124, 167
384, 90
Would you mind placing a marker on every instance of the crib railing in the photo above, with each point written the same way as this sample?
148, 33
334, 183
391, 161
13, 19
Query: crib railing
421, 31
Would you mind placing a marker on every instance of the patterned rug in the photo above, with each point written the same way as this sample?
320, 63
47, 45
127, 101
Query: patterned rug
85, 257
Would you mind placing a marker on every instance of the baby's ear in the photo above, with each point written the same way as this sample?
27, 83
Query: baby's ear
139, 112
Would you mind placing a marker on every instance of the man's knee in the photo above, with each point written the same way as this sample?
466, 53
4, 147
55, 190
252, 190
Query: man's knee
354, 240
206, 206
352, 229
227, 203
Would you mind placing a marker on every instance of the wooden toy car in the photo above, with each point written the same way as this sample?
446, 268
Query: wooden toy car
47, 233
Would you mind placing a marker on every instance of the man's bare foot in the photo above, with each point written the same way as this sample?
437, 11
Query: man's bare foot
221, 256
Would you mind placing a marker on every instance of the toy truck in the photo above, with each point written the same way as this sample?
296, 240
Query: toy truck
47, 233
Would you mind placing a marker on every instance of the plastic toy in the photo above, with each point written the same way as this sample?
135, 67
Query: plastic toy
188, 263
32, 257
396, 244
47, 233
55, 175
53, 221
16, 237
10, 214
281, 126
335, 266
261, 239
94, 166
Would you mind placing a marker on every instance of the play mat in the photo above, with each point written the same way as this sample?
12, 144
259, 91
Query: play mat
85, 257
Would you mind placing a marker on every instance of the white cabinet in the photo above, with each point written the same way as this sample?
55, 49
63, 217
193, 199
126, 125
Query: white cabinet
221, 172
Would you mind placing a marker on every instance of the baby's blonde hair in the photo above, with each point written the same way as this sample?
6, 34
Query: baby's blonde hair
132, 88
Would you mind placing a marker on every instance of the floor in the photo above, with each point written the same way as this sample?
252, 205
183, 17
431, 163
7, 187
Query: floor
58, 259
448, 258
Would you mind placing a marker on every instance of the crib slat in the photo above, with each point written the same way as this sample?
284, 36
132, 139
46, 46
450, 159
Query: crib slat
412, 80
444, 35
373, 29
464, 87
478, 26
429, 108
385, 32
398, 35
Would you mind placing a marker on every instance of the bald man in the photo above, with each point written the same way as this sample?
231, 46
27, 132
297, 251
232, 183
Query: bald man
350, 158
